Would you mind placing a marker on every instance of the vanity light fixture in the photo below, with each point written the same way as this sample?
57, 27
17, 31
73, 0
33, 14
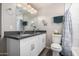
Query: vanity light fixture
19, 5
24, 8
27, 7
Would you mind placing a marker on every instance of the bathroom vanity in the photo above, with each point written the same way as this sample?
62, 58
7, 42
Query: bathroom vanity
26, 44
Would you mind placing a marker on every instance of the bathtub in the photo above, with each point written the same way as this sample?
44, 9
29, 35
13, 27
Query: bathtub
75, 51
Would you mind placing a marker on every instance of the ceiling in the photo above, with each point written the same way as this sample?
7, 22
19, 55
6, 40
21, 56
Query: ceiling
49, 8
47, 5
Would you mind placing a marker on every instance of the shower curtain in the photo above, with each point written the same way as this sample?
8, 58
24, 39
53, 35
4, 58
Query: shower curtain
67, 34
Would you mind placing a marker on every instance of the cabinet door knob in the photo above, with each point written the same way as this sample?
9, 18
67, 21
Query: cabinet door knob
43, 40
32, 47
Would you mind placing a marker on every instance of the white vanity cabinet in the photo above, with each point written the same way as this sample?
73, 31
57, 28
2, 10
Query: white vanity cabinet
32, 46
29, 46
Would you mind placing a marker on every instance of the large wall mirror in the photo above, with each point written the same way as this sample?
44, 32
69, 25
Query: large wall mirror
25, 14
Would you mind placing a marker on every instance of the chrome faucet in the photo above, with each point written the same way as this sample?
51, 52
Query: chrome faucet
34, 29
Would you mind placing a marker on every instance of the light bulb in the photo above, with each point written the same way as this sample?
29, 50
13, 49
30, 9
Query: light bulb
32, 12
35, 11
29, 6
19, 5
24, 8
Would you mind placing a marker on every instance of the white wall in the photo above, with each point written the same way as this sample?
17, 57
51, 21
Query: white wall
8, 17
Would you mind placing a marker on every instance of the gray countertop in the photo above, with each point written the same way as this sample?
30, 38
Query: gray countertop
22, 36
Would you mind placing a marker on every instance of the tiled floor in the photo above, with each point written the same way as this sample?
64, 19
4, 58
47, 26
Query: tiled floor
46, 52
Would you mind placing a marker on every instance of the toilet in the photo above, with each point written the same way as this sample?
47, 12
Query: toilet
55, 46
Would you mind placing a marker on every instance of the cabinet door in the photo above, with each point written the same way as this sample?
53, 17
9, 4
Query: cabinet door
33, 47
8, 16
44, 40
38, 46
25, 47
28, 47
40, 42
